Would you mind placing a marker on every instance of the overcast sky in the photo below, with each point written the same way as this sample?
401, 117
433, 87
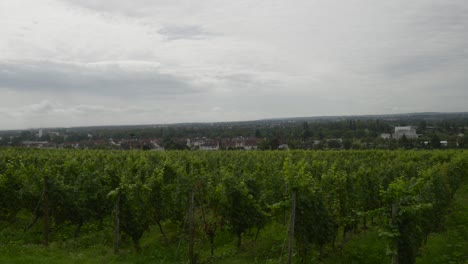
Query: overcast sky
110, 62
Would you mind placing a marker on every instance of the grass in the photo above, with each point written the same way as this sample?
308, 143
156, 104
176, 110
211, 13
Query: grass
451, 246
365, 248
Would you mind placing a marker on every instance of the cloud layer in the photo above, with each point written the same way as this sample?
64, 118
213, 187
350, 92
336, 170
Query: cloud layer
175, 61
122, 78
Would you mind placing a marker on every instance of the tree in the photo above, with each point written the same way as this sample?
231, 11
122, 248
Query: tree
258, 134
435, 141
347, 143
334, 144
306, 132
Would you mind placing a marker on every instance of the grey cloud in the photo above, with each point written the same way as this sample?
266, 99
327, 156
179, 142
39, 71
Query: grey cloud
434, 40
444, 16
239, 78
131, 8
428, 39
253, 59
252, 80
43, 107
52, 108
184, 32
53, 113
101, 79
422, 64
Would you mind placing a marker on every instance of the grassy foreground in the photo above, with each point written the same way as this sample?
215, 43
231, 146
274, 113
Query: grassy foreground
94, 245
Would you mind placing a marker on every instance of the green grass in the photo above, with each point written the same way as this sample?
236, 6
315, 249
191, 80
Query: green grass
450, 246
364, 248
38, 254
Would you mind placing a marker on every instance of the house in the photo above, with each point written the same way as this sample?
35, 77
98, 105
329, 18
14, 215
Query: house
283, 147
113, 143
242, 143
196, 142
251, 144
37, 144
67, 145
406, 131
239, 143
156, 145
228, 144
202, 144
385, 136
209, 145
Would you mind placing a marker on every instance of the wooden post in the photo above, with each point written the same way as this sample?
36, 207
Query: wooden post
291, 227
395, 241
191, 228
117, 224
46, 211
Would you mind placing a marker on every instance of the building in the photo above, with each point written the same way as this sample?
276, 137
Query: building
240, 143
37, 144
196, 142
283, 147
385, 136
406, 131
251, 144
156, 145
209, 145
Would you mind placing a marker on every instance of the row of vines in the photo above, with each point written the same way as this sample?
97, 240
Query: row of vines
318, 196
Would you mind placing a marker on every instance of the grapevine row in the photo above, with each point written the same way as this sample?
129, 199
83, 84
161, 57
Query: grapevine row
333, 194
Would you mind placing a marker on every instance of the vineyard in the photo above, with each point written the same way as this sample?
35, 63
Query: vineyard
204, 207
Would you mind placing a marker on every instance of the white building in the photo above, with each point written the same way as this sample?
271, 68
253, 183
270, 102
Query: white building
156, 146
406, 131
209, 146
196, 142
283, 147
245, 143
385, 136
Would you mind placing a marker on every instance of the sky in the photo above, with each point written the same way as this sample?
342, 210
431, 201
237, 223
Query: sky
118, 62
